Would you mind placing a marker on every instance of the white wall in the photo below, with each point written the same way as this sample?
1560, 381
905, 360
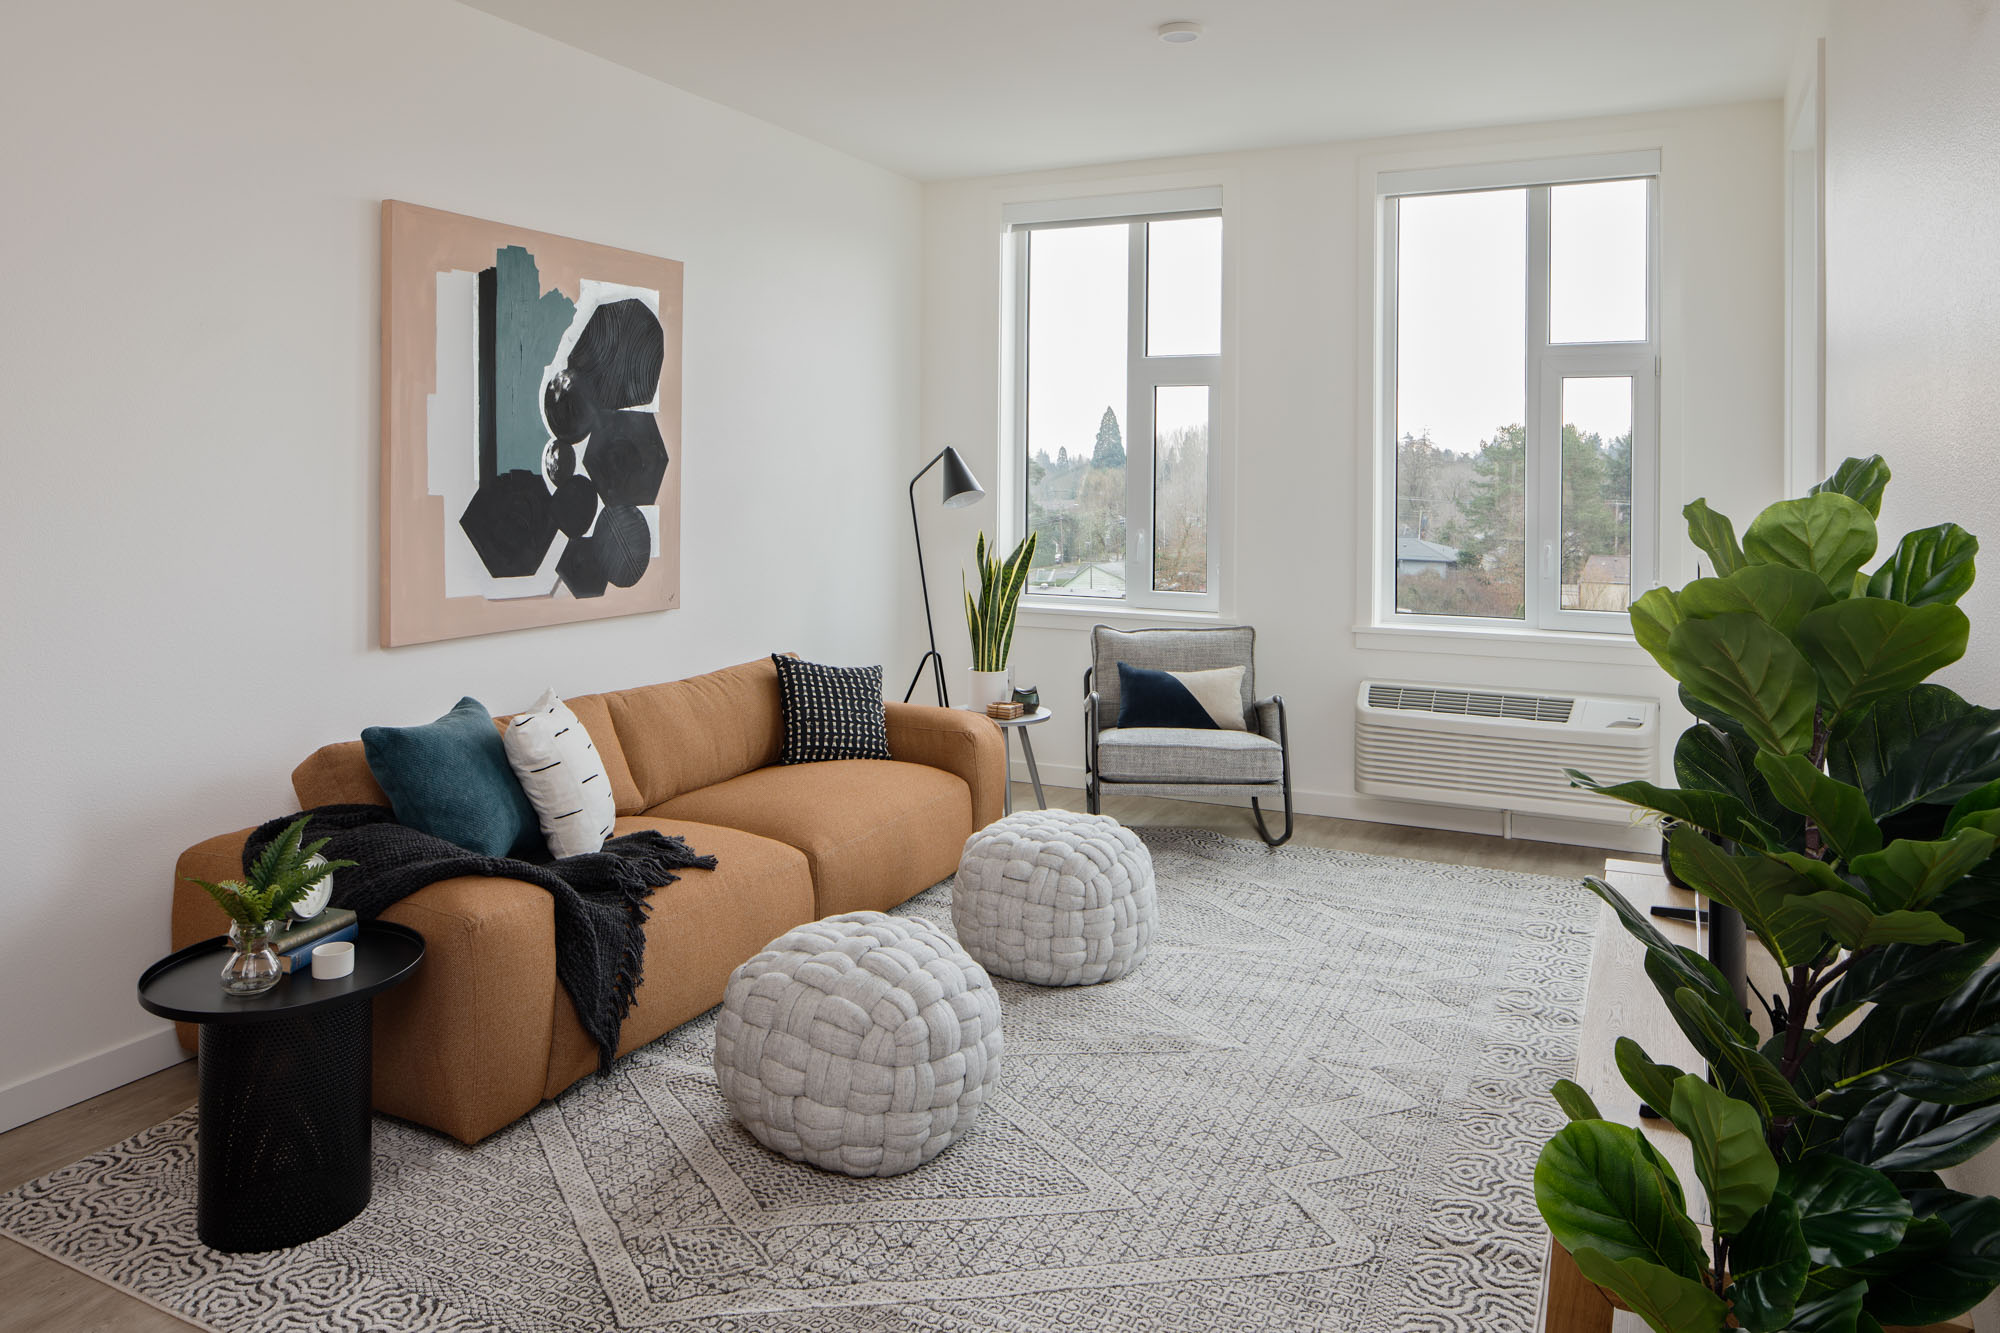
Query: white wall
1913, 296
1913, 273
1295, 227
189, 366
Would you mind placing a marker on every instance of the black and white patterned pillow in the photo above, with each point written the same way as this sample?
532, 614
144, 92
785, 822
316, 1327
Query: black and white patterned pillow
831, 712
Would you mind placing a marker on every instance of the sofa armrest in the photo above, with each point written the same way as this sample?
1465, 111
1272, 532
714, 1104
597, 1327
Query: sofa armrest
958, 742
463, 1045
1270, 719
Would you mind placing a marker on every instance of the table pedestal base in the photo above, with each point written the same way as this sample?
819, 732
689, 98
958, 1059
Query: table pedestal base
283, 1153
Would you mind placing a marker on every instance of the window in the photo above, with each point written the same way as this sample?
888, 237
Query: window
1118, 358
1521, 359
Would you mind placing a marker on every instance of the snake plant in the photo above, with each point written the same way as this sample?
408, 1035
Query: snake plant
990, 616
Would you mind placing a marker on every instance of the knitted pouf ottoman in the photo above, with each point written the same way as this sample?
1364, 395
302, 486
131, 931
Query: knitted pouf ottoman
1055, 897
864, 1043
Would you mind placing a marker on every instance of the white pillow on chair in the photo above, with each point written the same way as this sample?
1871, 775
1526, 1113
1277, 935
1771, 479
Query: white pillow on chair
560, 770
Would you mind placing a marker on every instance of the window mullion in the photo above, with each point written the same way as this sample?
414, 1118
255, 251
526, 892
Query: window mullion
1543, 462
1138, 429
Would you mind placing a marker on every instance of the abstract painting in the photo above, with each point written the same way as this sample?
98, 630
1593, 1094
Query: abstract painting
530, 428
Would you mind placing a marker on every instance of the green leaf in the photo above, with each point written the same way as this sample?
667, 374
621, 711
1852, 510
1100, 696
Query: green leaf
1830, 1303
1674, 968
1898, 1133
1756, 1077
1767, 1261
1597, 1190
1575, 1102
1717, 812
1940, 1276
1912, 874
1848, 1212
1971, 804
1840, 811
1825, 534
1750, 671
1716, 535
1901, 975
1759, 887
1864, 746
1708, 758
1958, 1073
1730, 1156
1654, 1083
1933, 565
1866, 648
1654, 615
1667, 1301
1940, 765
1775, 594
1855, 927
1861, 480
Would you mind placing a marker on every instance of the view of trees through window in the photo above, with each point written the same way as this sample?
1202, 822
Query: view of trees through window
1470, 535
1084, 492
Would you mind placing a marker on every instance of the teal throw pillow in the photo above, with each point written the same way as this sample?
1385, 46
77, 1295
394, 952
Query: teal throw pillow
451, 779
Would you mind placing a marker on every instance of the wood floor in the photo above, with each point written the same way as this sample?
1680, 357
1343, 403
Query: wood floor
37, 1293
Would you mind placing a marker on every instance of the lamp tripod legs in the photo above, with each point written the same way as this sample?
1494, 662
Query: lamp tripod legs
935, 661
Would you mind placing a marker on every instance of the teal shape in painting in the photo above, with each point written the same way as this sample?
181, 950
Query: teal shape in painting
528, 326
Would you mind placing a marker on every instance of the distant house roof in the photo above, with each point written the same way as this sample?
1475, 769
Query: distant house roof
1606, 569
1418, 551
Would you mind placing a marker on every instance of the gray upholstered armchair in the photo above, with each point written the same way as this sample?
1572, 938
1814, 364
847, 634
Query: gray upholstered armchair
1178, 762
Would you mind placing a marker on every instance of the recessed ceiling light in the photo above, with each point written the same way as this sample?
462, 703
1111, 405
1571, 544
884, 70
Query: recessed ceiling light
1178, 33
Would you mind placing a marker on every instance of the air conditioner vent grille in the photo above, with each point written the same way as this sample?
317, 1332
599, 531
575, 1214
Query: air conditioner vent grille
1471, 703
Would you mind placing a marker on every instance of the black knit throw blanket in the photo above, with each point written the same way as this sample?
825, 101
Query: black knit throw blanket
600, 898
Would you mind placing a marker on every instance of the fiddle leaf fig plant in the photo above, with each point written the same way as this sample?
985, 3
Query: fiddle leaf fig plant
1850, 811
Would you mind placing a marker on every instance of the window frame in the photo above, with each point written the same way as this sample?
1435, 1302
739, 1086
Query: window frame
1545, 365
1144, 375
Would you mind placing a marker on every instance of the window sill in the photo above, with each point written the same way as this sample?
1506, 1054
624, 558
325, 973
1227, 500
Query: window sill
1544, 644
1053, 614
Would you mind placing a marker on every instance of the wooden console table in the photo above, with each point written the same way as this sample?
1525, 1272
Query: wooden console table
1621, 1002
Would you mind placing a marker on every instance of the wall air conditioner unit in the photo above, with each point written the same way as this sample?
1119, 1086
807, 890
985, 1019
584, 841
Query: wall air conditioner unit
1495, 750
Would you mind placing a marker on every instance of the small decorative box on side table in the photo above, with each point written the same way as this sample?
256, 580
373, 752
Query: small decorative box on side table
283, 1146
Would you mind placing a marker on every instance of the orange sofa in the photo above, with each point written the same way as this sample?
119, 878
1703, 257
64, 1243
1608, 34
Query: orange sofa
482, 1034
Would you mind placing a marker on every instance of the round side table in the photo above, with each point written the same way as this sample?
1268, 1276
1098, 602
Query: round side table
1009, 726
283, 1151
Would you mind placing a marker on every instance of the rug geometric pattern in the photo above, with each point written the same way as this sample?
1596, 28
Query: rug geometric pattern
1317, 1105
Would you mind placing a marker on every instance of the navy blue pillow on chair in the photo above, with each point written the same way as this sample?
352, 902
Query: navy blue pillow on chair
1206, 700
451, 779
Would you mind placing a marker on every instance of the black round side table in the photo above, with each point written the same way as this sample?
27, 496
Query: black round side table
283, 1147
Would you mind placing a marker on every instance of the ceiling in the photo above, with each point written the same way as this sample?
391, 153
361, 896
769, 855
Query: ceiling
937, 89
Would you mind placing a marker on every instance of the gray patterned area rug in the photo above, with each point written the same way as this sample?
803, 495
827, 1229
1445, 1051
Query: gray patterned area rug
1317, 1105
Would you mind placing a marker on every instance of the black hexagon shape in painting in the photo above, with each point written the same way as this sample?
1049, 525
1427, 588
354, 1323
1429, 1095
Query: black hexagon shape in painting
627, 458
617, 358
581, 569
575, 506
624, 544
510, 522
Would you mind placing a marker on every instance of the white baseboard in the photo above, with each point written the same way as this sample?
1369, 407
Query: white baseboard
37, 1095
1416, 814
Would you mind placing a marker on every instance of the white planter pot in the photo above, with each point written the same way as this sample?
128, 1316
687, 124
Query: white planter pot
989, 687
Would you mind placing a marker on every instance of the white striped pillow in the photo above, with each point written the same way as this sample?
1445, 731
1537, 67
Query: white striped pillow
560, 770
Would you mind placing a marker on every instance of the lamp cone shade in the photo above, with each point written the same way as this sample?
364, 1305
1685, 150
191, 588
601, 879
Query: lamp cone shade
961, 488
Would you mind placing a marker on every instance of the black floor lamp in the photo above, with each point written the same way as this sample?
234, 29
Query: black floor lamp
961, 488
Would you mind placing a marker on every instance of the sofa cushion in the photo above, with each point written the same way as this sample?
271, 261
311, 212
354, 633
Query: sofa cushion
876, 831
693, 733
556, 761
1177, 754
831, 712
702, 927
451, 779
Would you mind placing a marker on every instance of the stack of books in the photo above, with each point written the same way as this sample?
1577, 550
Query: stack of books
295, 944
